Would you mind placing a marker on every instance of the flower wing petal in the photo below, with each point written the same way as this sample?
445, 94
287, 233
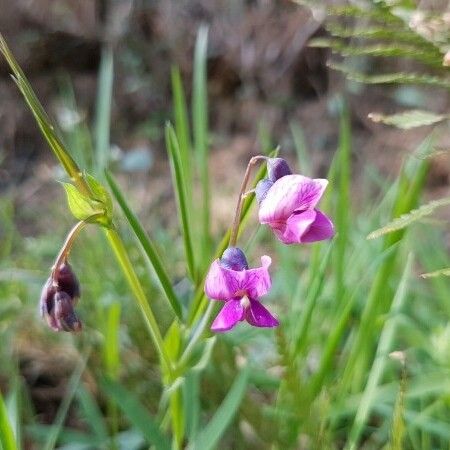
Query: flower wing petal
322, 228
256, 282
258, 316
296, 227
221, 283
230, 314
290, 193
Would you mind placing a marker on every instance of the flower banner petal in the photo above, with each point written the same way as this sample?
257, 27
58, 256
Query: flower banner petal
290, 193
257, 281
221, 283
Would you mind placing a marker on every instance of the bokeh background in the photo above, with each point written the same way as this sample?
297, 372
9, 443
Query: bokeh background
266, 87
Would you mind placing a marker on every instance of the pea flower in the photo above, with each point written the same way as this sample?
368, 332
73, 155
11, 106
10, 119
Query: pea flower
231, 281
287, 204
58, 298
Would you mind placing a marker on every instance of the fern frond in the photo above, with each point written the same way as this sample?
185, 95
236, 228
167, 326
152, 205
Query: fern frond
382, 32
392, 78
409, 218
437, 273
386, 50
408, 119
380, 14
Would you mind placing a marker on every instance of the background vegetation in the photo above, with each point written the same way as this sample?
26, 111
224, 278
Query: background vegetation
362, 356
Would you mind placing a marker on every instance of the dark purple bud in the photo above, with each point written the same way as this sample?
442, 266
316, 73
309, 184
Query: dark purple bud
277, 168
65, 317
67, 281
47, 303
261, 189
233, 258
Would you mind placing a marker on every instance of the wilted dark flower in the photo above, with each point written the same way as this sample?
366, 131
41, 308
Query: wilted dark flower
59, 295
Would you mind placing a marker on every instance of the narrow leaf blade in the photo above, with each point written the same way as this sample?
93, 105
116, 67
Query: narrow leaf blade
136, 413
211, 434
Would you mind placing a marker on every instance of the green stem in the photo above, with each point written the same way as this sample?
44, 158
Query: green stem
135, 285
241, 198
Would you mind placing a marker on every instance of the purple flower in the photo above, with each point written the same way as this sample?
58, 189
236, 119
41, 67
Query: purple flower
229, 280
288, 206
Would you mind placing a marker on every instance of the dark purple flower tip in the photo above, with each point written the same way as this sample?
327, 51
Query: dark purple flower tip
277, 168
67, 281
233, 258
64, 314
46, 301
261, 189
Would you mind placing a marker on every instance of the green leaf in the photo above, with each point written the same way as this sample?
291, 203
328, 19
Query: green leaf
213, 431
409, 218
92, 414
136, 413
81, 206
7, 439
100, 194
200, 134
103, 112
409, 119
173, 150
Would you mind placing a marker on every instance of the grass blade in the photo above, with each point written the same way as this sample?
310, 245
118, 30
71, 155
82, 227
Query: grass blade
377, 370
72, 386
211, 434
92, 414
173, 150
136, 413
103, 113
182, 129
200, 128
148, 246
7, 439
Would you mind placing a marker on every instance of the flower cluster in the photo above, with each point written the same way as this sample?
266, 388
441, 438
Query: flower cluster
58, 298
287, 204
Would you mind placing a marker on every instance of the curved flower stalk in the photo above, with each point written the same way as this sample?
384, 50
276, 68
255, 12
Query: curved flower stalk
288, 205
231, 281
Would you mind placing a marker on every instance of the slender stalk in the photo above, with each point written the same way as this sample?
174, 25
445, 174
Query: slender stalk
122, 257
67, 246
197, 335
241, 198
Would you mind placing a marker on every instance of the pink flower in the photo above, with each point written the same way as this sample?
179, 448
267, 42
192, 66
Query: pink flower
231, 281
288, 206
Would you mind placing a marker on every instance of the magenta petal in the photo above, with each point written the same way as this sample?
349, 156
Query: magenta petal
221, 283
296, 227
231, 313
290, 193
256, 282
322, 228
258, 316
